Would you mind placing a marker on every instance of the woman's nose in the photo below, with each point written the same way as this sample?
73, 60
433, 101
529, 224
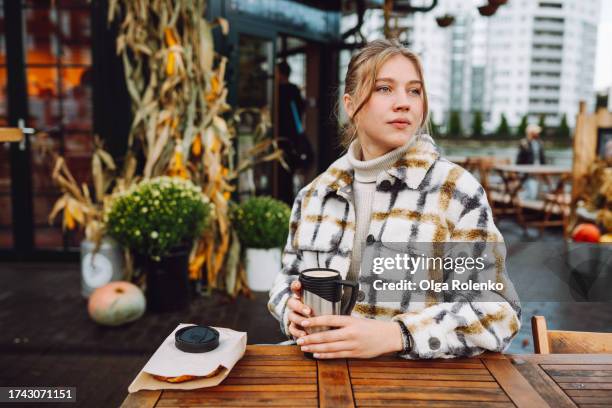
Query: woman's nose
402, 103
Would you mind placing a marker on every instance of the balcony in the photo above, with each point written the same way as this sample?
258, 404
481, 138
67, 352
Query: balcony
547, 39
548, 25
545, 67
549, 109
544, 93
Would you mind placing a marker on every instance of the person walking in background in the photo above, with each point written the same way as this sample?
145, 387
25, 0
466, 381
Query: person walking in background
392, 185
292, 139
531, 151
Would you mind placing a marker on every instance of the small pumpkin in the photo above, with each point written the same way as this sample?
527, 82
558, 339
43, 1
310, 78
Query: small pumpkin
606, 238
586, 232
116, 303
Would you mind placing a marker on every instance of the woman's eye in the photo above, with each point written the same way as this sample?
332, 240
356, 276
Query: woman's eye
415, 91
383, 89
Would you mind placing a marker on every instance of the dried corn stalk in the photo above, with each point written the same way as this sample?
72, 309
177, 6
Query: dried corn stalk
176, 84
76, 203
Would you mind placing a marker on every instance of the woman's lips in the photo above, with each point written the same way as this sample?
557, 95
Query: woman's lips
400, 124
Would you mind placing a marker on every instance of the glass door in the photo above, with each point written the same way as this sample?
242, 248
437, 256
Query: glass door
58, 75
49, 64
6, 208
255, 93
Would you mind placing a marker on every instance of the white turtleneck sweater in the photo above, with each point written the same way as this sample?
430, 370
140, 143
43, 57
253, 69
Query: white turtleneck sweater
364, 187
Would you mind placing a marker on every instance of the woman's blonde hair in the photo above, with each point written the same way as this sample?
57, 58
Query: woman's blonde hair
361, 79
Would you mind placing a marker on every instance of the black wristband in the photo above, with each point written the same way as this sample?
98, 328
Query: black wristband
406, 338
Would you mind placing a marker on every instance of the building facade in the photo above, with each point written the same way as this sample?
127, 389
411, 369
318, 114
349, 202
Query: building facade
541, 59
532, 57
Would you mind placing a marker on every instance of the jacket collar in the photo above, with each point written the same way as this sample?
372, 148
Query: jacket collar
410, 168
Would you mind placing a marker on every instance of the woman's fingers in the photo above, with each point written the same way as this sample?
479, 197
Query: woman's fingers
296, 287
295, 318
337, 354
295, 331
327, 320
297, 306
327, 336
334, 347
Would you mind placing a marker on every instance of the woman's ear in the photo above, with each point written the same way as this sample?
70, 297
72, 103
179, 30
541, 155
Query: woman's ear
348, 105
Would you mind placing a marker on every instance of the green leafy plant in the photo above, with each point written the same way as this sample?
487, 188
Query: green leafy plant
521, 130
563, 131
503, 129
156, 215
454, 124
477, 130
262, 222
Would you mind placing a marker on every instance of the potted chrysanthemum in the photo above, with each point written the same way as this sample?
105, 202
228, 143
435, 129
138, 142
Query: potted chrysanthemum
262, 224
158, 220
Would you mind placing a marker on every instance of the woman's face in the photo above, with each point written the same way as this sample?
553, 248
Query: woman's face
395, 109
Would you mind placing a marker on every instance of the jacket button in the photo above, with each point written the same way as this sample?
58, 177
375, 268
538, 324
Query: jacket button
385, 185
361, 296
370, 239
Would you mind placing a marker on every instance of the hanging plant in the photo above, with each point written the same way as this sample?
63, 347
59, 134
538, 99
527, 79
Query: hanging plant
487, 10
445, 20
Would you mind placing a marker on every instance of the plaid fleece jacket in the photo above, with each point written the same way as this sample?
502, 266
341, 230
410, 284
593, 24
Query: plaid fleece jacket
421, 198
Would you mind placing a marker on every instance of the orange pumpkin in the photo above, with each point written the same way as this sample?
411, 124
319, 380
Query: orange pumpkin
116, 303
586, 233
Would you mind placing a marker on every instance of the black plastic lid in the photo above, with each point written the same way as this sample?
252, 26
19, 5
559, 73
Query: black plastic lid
196, 339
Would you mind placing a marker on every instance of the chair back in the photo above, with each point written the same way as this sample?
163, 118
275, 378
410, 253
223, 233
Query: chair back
567, 342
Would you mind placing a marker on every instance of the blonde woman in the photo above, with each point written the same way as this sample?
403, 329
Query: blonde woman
390, 186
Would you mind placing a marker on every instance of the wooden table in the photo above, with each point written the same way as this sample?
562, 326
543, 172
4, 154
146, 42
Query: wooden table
282, 376
556, 201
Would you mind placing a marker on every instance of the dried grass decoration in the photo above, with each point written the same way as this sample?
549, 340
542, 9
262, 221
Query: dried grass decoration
598, 194
176, 83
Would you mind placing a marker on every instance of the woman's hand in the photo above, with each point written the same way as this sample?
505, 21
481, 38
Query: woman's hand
354, 337
298, 311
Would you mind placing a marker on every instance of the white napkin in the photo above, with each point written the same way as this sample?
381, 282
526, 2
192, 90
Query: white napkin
168, 361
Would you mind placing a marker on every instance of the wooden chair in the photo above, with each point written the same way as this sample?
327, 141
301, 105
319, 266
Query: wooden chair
567, 342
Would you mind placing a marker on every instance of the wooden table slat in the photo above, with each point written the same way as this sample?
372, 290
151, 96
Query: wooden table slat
334, 384
435, 404
201, 395
414, 364
242, 373
423, 376
422, 383
560, 375
578, 367
431, 390
582, 379
516, 386
594, 400
586, 386
264, 388
237, 402
294, 363
445, 395
549, 359
589, 393
269, 380
416, 370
